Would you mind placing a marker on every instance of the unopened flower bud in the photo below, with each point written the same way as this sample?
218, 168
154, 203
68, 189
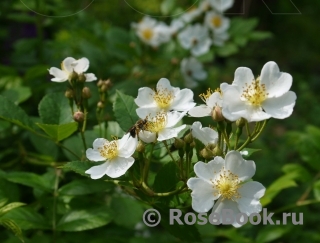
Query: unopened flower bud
86, 93
188, 138
206, 153
217, 114
82, 78
68, 94
140, 147
241, 122
211, 146
193, 144
217, 151
174, 61
100, 104
78, 116
178, 143
100, 83
73, 76
108, 83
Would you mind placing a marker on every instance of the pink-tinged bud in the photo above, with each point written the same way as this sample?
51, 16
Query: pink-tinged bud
78, 116
86, 93
217, 114
68, 94
100, 83
108, 83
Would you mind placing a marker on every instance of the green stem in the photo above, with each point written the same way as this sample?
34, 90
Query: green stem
260, 130
169, 152
54, 210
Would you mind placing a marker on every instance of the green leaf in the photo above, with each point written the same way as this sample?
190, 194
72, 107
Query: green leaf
80, 166
9, 207
207, 57
3, 202
11, 225
166, 178
17, 94
316, 189
113, 129
128, 211
79, 220
59, 132
271, 233
167, 6
29, 179
27, 218
84, 187
247, 152
300, 172
13, 113
241, 26
260, 35
54, 109
125, 111
227, 50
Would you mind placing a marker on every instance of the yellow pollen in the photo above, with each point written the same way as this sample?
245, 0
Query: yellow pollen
157, 123
255, 93
227, 185
205, 96
147, 34
109, 150
163, 98
216, 21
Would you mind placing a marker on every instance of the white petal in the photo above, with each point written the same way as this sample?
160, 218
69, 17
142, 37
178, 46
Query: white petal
280, 107
254, 114
67, 64
183, 101
277, 83
169, 133
164, 83
209, 171
94, 155
232, 107
147, 137
200, 111
90, 77
81, 65
119, 166
59, 75
145, 97
143, 112
244, 169
202, 194
128, 147
227, 204
243, 76
250, 193
96, 172
99, 142
214, 100
174, 117
206, 135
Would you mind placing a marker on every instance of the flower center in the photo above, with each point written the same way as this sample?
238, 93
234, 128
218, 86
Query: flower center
227, 185
255, 93
163, 98
205, 96
216, 21
109, 150
147, 33
157, 123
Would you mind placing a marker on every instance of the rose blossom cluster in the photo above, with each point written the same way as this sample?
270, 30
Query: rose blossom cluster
210, 29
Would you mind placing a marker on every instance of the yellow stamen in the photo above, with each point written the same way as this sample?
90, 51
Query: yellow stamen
163, 97
227, 185
157, 123
205, 96
147, 34
216, 21
109, 150
255, 93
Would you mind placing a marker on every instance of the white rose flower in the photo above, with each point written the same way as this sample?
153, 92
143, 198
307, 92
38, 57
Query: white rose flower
116, 154
196, 39
217, 22
151, 32
261, 98
226, 180
70, 65
212, 99
176, 25
192, 71
206, 135
160, 126
164, 98
221, 5
191, 14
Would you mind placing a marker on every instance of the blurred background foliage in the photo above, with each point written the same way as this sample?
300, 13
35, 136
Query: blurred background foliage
31, 43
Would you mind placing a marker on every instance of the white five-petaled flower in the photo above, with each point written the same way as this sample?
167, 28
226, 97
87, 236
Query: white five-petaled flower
212, 99
225, 181
164, 98
261, 98
206, 135
221, 5
70, 65
217, 22
160, 126
196, 39
152, 32
192, 71
116, 154
191, 14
